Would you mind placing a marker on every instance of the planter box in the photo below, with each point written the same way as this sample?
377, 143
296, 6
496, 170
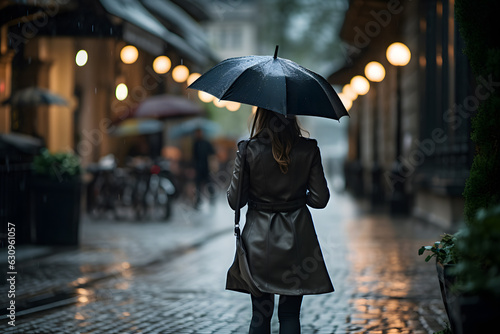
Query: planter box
466, 313
56, 208
450, 298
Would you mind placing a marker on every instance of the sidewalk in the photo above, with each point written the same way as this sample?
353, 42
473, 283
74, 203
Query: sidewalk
382, 285
47, 276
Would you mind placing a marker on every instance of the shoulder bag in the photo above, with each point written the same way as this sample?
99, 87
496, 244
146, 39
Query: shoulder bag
239, 278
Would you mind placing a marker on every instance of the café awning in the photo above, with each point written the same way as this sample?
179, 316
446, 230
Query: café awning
133, 12
183, 24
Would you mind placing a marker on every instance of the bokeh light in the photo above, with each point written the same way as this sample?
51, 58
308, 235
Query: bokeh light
162, 64
233, 106
121, 92
81, 58
398, 54
205, 97
374, 71
129, 54
192, 78
180, 73
360, 85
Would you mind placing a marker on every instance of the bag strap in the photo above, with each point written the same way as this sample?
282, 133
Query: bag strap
240, 185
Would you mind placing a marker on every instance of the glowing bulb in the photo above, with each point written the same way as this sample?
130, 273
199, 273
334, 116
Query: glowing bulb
180, 73
233, 106
360, 85
205, 97
374, 71
345, 101
121, 92
398, 54
220, 103
129, 54
162, 64
349, 92
192, 78
81, 58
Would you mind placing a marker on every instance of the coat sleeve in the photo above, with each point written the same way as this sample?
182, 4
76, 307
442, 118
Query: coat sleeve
318, 193
232, 192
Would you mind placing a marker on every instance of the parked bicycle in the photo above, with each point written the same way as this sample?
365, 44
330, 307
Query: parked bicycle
144, 190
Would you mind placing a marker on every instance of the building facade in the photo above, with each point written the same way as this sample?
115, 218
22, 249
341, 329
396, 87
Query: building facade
39, 44
409, 136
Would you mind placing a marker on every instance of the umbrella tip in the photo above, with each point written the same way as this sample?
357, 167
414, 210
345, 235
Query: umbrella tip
276, 52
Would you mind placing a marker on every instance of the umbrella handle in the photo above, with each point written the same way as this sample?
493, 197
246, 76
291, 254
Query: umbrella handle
276, 52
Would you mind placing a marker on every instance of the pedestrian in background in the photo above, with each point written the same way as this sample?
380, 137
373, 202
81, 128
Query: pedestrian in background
202, 151
282, 174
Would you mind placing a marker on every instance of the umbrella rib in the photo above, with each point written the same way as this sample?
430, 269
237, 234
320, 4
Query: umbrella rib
286, 86
317, 78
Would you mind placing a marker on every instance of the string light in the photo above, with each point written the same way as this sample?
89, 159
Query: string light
129, 54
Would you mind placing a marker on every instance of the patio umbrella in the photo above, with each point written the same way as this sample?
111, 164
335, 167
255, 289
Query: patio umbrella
187, 128
167, 106
272, 83
34, 96
133, 127
22, 142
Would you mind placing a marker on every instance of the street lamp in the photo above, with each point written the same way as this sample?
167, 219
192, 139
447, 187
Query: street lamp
346, 101
375, 72
398, 55
360, 85
349, 92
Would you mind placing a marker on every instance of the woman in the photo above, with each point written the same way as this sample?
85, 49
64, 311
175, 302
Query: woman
282, 174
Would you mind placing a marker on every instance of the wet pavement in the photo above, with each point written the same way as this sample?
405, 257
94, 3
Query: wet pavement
157, 277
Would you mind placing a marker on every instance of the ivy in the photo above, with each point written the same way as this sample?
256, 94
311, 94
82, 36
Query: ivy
478, 26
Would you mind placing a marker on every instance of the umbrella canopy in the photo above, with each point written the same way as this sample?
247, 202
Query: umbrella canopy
133, 127
187, 128
22, 142
34, 96
167, 106
272, 83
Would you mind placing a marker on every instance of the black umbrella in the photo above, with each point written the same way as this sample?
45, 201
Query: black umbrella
34, 96
272, 83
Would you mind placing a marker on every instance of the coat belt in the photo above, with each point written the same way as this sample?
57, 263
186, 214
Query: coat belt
277, 207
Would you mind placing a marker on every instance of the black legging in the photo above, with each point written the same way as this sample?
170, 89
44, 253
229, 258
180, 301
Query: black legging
288, 314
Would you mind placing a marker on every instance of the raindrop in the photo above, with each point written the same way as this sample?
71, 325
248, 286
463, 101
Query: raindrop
95, 90
29, 60
92, 28
111, 31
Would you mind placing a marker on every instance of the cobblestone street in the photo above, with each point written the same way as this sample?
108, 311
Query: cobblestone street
382, 285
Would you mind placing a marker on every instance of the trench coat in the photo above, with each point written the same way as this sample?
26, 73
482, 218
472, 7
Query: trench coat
283, 251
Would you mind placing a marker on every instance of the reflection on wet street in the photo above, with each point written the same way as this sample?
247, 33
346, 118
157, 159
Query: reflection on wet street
382, 285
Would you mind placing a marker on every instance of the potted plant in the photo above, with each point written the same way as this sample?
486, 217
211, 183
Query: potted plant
468, 267
447, 256
478, 272
56, 188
